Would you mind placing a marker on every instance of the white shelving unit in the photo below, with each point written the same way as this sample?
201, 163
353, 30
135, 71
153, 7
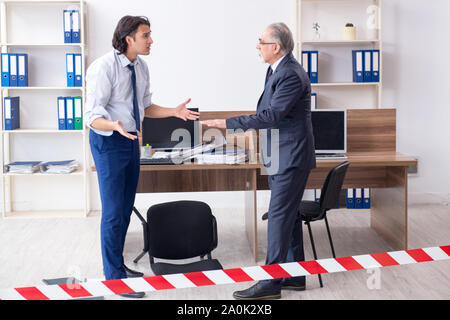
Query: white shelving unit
40, 136
336, 88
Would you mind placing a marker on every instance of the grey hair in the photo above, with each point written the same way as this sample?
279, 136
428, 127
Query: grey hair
283, 36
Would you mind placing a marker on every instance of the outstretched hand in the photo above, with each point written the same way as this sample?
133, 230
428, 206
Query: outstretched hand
119, 128
216, 123
183, 113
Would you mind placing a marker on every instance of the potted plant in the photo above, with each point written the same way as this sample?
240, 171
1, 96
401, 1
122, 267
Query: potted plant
349, 32
316, 28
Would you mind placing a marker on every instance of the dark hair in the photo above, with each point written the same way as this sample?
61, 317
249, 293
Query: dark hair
127, 26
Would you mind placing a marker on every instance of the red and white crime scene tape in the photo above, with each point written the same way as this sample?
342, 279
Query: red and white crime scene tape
97, 288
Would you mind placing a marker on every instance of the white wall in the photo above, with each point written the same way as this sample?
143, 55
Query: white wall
416, 82
205, 49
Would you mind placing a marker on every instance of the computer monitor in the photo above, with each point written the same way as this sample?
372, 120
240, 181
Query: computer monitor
170, 133
330, 130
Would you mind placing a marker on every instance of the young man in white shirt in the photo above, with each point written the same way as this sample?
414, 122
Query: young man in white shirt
118, 97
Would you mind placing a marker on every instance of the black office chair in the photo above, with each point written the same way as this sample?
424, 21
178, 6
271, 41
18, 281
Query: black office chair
310, 211
181, 230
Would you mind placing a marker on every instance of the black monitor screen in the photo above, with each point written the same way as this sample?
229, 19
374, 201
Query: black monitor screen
162, 133
330, 130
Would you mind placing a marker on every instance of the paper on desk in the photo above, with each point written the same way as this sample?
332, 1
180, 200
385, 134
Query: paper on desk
204, 147
221, 158
161, 155
192, 152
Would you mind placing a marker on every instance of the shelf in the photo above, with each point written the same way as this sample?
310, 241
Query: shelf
341, 84
42, 45
45, 214
43, 88
40, 1
34, 131
339, 42
78, 172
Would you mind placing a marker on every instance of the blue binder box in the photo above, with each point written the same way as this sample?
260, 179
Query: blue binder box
11, 112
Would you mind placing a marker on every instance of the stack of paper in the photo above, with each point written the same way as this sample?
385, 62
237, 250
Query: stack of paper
223, 157
161, 155
60, 167
186, 154
22, 167
204, 147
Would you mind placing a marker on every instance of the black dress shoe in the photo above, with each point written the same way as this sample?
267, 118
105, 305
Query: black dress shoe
293, 284
132, 273
257, 292
135, 295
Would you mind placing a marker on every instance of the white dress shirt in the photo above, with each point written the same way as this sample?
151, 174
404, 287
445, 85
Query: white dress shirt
109, 93
276, 63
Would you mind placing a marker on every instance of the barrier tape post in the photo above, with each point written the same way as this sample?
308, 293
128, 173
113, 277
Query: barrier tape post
226, 276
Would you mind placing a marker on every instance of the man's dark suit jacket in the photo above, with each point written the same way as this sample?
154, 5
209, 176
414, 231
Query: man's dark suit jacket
285, 105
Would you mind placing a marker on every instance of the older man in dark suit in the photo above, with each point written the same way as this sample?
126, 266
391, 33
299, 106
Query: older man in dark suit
285, 109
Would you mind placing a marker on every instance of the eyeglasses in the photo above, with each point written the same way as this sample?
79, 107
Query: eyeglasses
262, 42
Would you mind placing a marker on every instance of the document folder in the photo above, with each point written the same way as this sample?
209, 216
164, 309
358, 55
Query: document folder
358, 198
22, 69
12, 112
59, 167
5, 70
13, 70
305, 62
358, 66
366, 198
367, 66
26, 167
70, 69
61, 113
70, 125
67, 26
350, 198
375, 65
313, 101
75, 26
314, 66
78, 69
78, 113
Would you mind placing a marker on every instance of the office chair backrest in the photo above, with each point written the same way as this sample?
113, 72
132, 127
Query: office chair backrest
181, 230
332, 186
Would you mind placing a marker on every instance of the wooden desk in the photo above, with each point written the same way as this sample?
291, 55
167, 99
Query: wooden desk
374, 163
384, 172
203, 177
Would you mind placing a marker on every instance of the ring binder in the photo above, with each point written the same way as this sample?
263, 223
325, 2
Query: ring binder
70, 69
5, 70
67, 26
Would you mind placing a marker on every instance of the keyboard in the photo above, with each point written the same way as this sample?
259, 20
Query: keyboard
331, 156
157, 161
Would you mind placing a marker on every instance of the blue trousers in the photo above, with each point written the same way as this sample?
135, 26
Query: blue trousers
117, 162
284, 230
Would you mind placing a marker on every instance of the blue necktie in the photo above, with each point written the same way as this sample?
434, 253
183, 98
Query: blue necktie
268, 75
137, 117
